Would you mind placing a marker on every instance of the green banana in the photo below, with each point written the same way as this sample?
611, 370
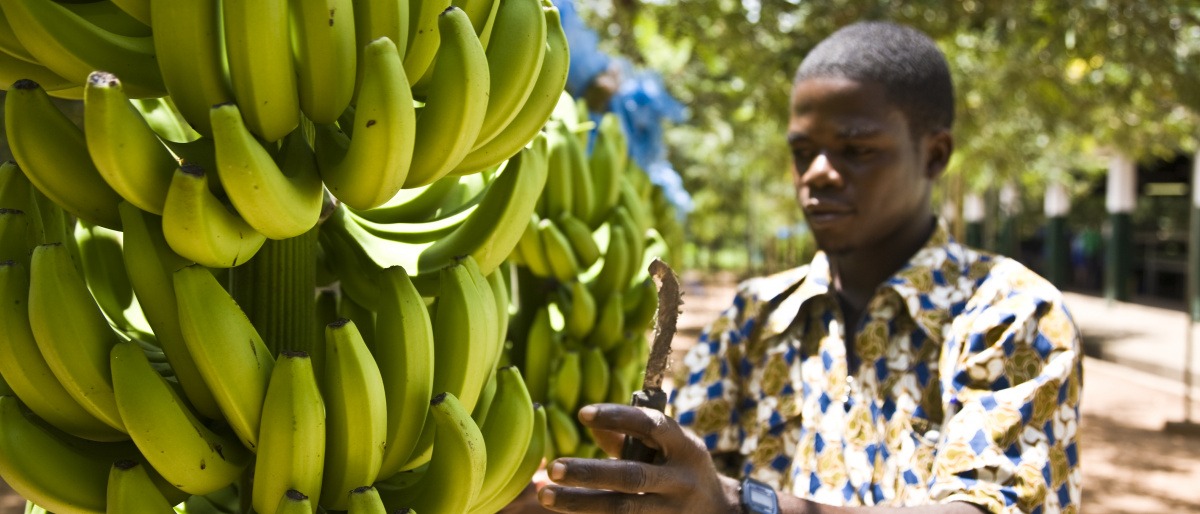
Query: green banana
607, 163
493, 339
454, 109
502, 294
164, 117
529, 464
356, 415
187, 453
424, 37
279, 201
581, 317
71, 331
507, 431
513, 62
149, 263
230, 355
424, 203
295, 502
365, 500
198, 227
137, 9
423, 232
484, 405
53, 153
615, 266
489, 235
583, 189
564, 266
106, 15
456, 470
563, 430
580, 236
532, 252
125, 150
19, 233
640, 302
364, 318
462, 330
52, 469
11, 47
539, 354
559, 196
26, 370
405, 357
595, 376
366, 170
291, 441
13, 69
552, 77
610, 323
190, 46
130, 489
326, 53
493, 232
102, 261
73, 47
566, 381
374, 19
261, 70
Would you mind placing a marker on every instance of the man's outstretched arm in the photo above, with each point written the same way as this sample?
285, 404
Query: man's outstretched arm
684, 481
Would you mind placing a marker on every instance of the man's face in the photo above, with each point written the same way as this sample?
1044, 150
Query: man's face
859, 175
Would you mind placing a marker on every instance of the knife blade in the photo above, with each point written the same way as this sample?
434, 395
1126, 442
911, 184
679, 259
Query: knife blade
666, 318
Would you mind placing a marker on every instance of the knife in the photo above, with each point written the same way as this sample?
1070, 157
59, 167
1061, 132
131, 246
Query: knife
652, 395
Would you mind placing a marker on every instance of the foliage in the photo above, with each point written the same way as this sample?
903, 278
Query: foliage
1046, 90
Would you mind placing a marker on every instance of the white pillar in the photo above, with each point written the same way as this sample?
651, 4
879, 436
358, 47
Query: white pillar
1122, 185
1010, 199
1057, 201
973, 208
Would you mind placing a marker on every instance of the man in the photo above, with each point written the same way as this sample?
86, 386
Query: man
898, 371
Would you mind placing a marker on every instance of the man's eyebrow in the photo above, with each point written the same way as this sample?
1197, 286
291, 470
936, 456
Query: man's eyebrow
859, 131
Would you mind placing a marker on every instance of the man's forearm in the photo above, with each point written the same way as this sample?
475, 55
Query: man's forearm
789, 504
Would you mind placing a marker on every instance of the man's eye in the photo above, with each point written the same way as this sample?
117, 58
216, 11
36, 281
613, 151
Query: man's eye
858, 151
802, 156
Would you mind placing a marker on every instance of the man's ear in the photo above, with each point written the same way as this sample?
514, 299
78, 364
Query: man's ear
938, 148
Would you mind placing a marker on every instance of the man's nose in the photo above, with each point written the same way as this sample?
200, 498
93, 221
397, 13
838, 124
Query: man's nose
821, 173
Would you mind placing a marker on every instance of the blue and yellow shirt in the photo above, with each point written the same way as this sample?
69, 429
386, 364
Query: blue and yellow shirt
962, 384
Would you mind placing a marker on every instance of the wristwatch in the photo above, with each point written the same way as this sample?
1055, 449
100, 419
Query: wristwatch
758, 498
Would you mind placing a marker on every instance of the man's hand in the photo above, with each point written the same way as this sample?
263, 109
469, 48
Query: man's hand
685, 480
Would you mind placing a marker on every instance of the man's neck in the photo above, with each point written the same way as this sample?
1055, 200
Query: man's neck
857, 274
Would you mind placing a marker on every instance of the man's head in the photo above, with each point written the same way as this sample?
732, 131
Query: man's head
909, 66
871, 111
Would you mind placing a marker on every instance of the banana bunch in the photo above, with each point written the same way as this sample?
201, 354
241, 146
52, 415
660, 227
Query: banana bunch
268, 268
586, 301
235, 120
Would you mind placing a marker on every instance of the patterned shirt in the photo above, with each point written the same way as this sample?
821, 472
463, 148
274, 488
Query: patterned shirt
962, 384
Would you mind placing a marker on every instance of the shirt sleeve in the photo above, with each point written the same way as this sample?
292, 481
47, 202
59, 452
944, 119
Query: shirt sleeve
707, 398
1011, 377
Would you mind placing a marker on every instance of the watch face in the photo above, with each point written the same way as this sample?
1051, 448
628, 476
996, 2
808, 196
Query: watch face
759, 498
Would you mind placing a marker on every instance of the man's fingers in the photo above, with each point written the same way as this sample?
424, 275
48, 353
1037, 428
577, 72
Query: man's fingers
609, 441
570, 499
614, 475
654, 428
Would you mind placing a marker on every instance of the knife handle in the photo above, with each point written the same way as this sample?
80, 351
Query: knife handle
634, 448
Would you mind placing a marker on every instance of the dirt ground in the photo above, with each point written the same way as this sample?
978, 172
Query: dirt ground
1131, 464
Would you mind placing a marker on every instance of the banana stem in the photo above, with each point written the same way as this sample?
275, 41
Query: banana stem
277, 290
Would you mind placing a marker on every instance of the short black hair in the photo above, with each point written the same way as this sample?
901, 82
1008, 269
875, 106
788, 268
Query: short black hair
905, 61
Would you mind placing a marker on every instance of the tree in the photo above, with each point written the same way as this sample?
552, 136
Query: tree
1044, 88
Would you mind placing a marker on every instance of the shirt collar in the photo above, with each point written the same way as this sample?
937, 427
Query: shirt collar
933, 285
